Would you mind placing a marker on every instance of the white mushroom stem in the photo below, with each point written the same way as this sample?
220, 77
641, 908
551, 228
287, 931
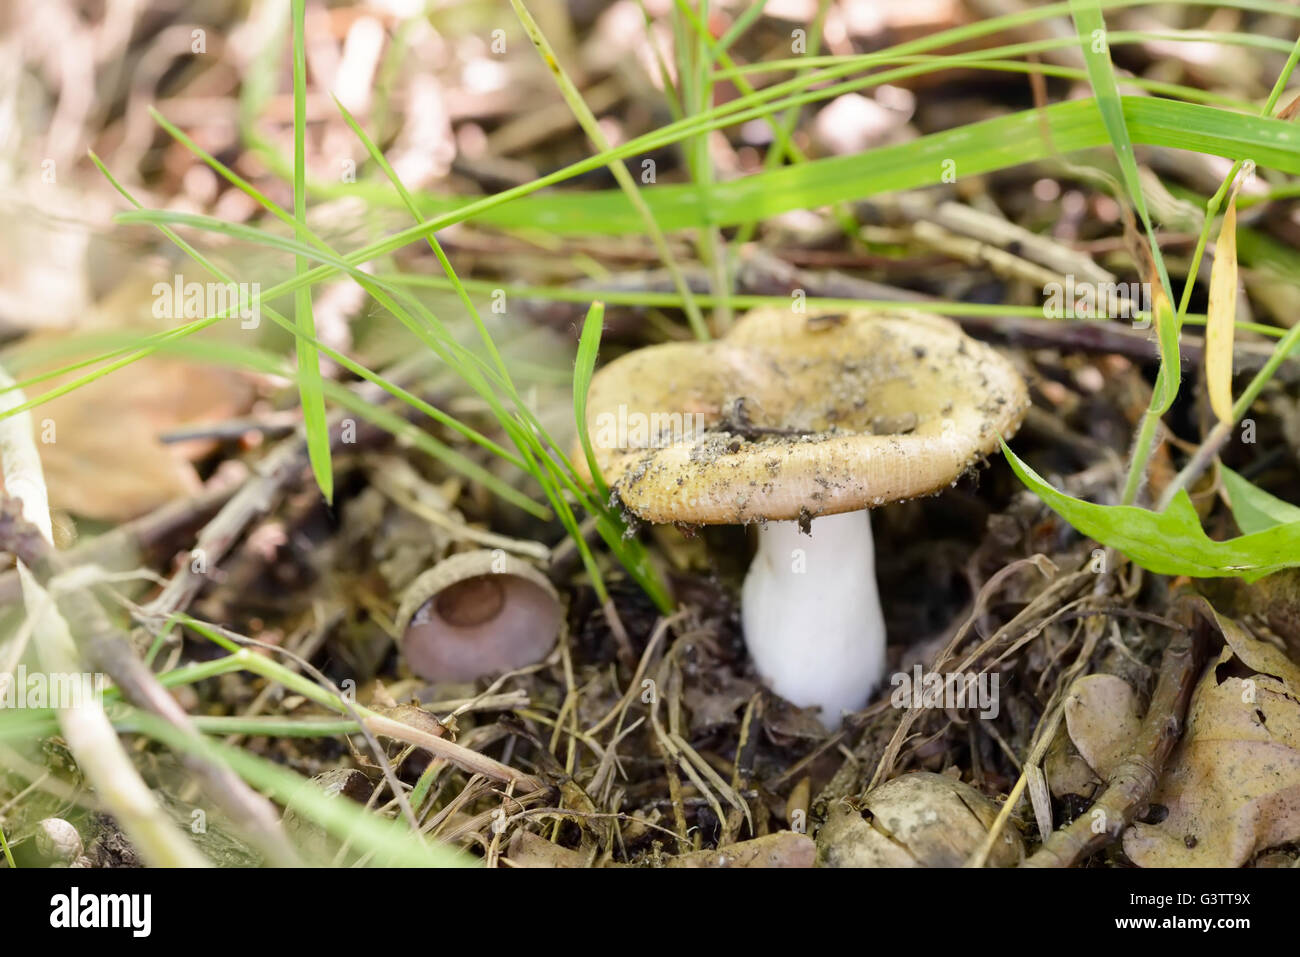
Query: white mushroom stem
811, 613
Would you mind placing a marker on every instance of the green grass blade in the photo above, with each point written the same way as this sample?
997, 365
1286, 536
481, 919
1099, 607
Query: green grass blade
1115, 38
587, 120
529, 437
382, 162
390, 841
272, 726
977, 148
984, 147
1091, 28
584, 366
310, 387
442, 342
247, 357
694, 66
743, 22
4, 845
376, 414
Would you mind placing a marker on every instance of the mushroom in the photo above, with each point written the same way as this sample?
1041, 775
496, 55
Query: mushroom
59, 841
477, 613
801, 423
920, 819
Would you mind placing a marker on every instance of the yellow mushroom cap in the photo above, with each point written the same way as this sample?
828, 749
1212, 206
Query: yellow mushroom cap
793, 415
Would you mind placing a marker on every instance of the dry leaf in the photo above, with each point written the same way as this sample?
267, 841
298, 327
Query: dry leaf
532, 850
1067, 772
1261, 656
1101, 715
99, 443
779, 849
1232, 787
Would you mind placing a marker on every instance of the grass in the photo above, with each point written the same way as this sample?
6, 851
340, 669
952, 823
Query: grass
310, 388
1091, 30
4, 847
1179, 117
976, 148
587, 120
584, 367
794, 186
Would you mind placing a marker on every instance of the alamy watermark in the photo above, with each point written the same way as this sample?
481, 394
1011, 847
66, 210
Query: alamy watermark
641, 430
179, 299
133, 912
933, 689
1093, 300
60, 689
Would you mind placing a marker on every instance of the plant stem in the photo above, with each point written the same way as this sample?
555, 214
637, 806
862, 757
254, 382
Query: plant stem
1142, 447
1198, 463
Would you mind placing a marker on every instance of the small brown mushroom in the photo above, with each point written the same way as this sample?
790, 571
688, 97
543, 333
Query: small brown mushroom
477, 613
802, 423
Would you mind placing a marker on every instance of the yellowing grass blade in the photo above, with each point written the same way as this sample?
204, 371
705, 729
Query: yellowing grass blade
1222, 314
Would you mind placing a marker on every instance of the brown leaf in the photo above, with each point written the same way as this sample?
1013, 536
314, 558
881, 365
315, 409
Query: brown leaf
1066, 770
532, 850
1101, 715
1261, 656
781, 849
1232, 787
99, 443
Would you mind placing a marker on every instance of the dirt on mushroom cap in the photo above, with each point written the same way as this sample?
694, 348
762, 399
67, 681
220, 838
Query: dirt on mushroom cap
795, 415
